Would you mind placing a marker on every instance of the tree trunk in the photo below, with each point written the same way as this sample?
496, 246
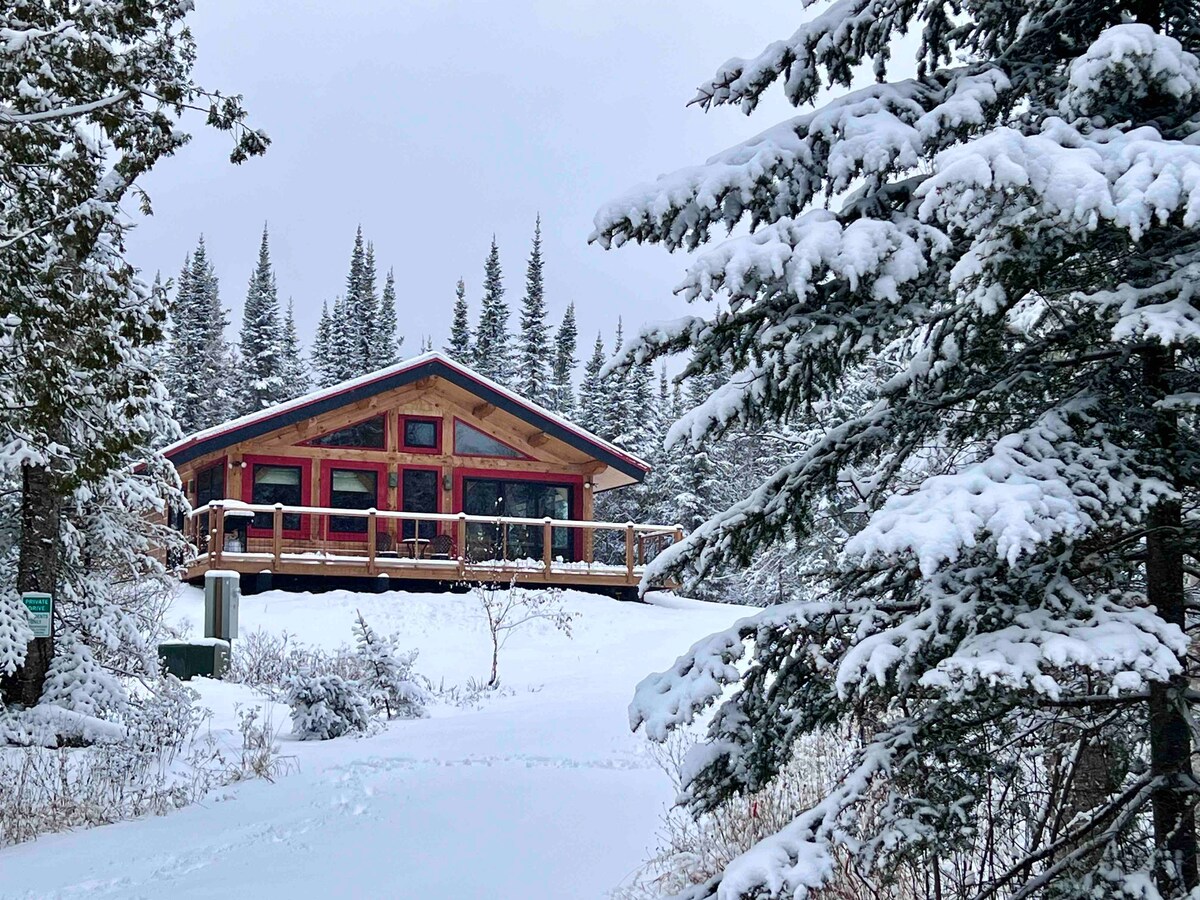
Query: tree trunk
37, 570
1170, 741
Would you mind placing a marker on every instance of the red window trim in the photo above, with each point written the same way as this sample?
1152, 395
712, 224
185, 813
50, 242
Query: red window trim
437, 430
294, 462
311, 442
575, 481
381, 488
437, 470
517, 450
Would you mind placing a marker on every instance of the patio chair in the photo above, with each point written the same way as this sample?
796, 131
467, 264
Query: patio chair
441, 546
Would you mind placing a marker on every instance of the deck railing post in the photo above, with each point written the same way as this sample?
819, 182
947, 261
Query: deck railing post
503, 540
547, 545
629, 540
372, 540
461, 539
218, 519
277, 533
589, 544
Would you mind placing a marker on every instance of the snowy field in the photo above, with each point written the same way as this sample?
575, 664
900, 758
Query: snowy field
541, 792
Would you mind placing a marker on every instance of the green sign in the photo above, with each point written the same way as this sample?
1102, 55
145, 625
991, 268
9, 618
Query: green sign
37, 609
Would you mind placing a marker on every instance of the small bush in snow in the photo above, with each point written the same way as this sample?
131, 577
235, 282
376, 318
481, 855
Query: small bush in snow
507, 609
387, 674
326, 706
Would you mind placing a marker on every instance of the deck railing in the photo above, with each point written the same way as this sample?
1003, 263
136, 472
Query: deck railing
223, 532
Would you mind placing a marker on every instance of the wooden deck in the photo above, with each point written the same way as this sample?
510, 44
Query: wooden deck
473, 548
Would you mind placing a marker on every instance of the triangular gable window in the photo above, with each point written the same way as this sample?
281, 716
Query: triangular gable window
370, 434
470, 441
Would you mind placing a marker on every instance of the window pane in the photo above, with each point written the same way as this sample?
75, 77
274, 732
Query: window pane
352, 489
419, 493
516, 499
277, 484
420, 433
210, 484
473, 442
368, 435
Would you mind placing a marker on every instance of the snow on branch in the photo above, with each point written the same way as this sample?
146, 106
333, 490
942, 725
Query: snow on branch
1036, 485
838, 39
1126, 65
871, 133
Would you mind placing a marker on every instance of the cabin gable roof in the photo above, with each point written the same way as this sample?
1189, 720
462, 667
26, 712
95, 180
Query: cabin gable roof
427, 366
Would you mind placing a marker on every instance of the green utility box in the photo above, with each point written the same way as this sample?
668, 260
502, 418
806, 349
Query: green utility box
187, 659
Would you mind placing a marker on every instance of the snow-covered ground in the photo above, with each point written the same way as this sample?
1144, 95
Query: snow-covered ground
538, 793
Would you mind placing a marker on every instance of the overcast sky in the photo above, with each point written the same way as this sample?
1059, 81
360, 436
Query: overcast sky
435, 124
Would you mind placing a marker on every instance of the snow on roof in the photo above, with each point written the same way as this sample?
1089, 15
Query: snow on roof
354, 386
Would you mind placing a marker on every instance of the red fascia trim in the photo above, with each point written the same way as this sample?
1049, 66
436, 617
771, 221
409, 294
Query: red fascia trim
437, 425
494, 438
294, 462
575, 482
327, 467
383, 449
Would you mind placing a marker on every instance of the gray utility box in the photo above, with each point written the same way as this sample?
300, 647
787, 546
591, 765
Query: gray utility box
222, 592
187, 659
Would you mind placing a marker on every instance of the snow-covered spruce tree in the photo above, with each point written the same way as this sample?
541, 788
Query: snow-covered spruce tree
490, 349
591, 391
295, 371
459, 346
387, 343
261, 372
1015, 228
388, 679
562, 374
201, 379
320, 359
366, 315
615, 395
90, 100
533, 377
326, 706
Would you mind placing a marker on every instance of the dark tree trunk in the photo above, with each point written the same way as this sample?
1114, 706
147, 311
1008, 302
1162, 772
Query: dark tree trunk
37, 570
1170, 739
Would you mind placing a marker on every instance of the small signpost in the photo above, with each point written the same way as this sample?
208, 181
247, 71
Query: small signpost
38, 608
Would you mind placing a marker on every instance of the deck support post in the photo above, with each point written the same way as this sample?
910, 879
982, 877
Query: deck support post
461, 538
547, 548
372, 540
276, 534
218, 530
629, 542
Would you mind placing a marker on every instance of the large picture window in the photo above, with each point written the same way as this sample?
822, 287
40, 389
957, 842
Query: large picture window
277, 484
419, 494
210, 486
352, 489
517, 499
367, 435
469, 441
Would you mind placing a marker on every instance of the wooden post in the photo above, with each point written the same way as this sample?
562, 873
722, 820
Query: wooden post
503, 540
372, 540
589, 545
547, 540
277, 533
629, 535
461, 538
218, 518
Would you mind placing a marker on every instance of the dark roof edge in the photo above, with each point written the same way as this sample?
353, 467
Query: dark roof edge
434, 367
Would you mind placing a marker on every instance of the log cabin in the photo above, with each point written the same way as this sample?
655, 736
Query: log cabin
424, 471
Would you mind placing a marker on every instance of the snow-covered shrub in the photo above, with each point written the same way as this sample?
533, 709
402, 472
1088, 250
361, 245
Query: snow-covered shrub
387, 673
77, 682
326, 706
692, 849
